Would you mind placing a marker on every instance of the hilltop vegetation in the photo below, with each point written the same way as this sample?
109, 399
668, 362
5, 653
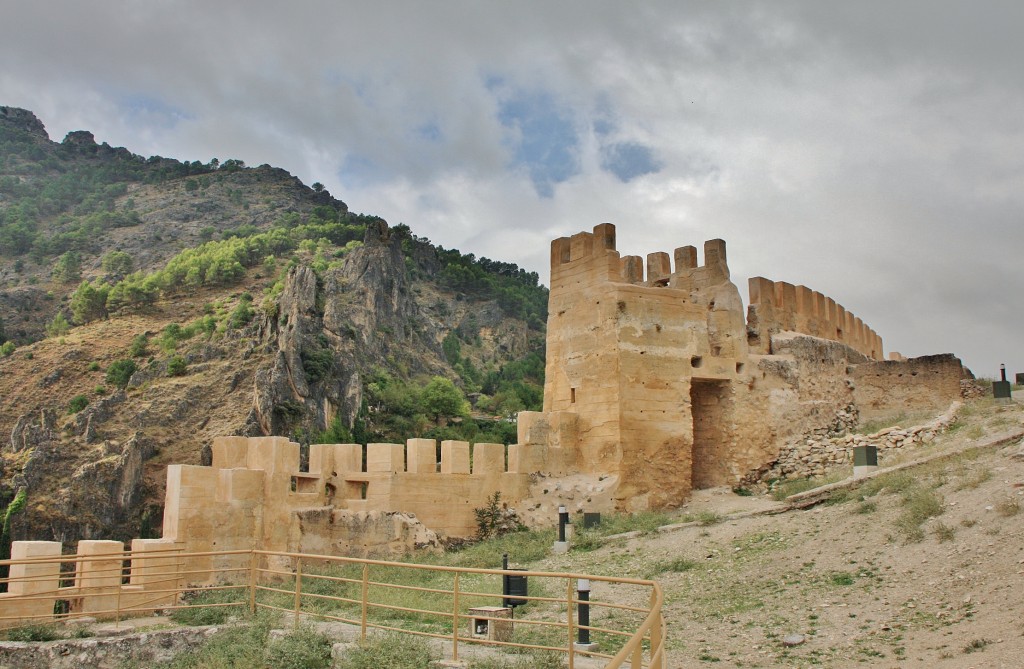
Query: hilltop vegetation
148, 305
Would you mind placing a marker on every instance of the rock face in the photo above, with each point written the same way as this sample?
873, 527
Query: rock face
329, 335
23, 119
141, 649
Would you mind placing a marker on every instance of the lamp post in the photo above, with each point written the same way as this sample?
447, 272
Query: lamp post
583, 641
562, 545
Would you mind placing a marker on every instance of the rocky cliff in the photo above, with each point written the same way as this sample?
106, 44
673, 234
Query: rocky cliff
291, 341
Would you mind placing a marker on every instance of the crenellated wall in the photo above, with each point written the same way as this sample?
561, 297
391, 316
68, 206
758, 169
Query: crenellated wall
777, 306
671, 387
256, 496
97, 584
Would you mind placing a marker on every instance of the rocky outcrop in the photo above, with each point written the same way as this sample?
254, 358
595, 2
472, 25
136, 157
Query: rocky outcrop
105, 494
147, 648
330, 332
34, 430
23, 119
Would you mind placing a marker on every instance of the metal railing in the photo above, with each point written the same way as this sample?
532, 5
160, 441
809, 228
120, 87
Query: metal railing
458, 605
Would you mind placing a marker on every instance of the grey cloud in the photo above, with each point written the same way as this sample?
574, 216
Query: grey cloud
868, 150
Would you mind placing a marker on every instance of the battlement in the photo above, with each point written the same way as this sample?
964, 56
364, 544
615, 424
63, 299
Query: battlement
101, 577
590, 257
256, 486
278, 455
779, 306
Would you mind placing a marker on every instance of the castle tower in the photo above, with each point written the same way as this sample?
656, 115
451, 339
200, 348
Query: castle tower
646, 363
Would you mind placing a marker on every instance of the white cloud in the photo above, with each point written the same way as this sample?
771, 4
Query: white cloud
869, 150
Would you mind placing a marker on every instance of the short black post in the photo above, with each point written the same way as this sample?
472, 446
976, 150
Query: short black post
1002, 390
563, 520
583, 611
504, 579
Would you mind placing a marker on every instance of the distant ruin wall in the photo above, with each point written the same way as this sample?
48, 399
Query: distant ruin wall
817, 455
928, 383
777, 306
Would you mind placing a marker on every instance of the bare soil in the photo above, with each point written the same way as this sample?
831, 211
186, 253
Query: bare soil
918, 568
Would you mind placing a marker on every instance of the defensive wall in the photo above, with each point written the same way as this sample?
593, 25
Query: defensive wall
656, 384
777, 306
655, 374
256, 495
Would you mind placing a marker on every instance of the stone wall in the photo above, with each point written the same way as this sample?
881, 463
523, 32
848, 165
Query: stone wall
817, 455
777, 306
928, 383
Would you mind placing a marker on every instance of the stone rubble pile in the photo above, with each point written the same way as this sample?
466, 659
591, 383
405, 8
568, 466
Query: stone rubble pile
814, 455
970, 390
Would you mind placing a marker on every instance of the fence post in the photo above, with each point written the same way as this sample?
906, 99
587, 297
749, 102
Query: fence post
455, 619
298, 589
568, 617
252, 583
117, 607
656, 639
366, 589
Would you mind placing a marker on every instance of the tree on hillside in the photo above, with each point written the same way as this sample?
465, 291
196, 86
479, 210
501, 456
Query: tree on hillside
3, 334
118, 263
68, 267
59, 326
89, 302
442, 400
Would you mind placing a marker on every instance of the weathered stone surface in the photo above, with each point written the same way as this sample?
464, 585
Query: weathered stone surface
146, 648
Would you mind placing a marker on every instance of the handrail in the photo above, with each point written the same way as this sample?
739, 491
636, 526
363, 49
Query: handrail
105, 591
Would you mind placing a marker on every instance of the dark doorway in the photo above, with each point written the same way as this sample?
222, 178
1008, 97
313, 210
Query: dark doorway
709, 404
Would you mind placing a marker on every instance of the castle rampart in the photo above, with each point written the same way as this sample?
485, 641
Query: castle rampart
777, 306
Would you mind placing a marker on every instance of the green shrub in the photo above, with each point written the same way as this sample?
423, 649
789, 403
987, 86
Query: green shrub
33, 633
495, 519
139, 346
394, 651
59, 326
77, 403
303, 648
120, 372
211, 607
7, 348
177, 366
317, 363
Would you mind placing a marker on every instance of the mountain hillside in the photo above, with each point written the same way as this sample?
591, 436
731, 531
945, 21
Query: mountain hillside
148, 305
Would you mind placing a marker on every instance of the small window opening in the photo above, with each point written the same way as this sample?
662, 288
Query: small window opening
696, 361
572, 396
739, 367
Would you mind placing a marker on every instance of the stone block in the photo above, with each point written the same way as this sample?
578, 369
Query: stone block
488, 458
421, 456
385, 458
493, 623
100, 564
455, 457
230, 452
348, 458
155, 563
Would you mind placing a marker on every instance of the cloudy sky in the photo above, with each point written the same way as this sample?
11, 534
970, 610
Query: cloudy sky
873, 151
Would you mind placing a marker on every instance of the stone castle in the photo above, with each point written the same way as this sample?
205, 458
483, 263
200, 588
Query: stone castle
657, 383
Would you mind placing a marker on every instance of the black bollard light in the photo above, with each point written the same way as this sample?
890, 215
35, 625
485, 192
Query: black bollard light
583, 611
563, 520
